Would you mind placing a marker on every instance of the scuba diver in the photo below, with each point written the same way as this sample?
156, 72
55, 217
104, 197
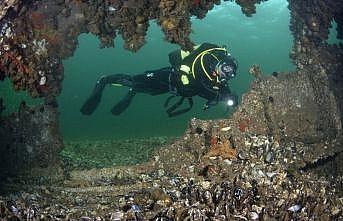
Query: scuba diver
205, 72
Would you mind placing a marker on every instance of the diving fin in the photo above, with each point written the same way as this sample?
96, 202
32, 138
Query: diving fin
123, 103
94, 99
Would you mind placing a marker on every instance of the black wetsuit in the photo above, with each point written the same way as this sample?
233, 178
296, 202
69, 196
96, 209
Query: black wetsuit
166, 80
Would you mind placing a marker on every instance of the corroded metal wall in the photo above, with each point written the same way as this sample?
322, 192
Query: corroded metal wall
29, 139
310, 23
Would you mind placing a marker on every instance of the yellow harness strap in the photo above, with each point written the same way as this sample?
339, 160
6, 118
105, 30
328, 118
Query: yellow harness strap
187, 69
201, 56
184, 54
184, 79
203, 67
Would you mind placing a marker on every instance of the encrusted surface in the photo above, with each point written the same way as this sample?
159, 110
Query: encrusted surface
36, 35
279, 157
229, 169
29, 139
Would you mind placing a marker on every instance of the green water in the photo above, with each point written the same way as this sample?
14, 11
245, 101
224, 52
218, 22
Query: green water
332, 38
263, 39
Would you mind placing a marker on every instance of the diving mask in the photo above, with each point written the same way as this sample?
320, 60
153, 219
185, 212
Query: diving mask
226, 69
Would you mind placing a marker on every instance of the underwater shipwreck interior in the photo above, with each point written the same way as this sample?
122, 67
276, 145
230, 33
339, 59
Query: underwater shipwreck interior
278, 156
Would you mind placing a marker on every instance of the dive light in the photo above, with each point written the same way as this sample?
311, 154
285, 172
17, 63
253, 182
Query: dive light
231, 101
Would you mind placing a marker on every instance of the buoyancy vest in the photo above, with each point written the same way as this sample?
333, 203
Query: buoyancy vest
193, 70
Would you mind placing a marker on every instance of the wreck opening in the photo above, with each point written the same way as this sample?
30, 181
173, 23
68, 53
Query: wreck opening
56, 28
250, 40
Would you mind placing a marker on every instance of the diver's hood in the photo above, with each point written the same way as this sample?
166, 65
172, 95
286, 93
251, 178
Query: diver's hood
226, 67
